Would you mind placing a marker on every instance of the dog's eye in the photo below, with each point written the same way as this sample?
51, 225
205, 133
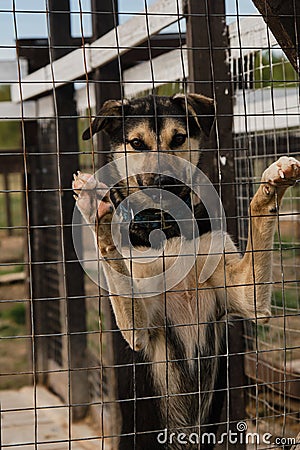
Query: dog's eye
138, 144
178, 139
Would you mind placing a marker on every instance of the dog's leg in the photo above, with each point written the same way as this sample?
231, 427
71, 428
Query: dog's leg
94, 204
250, 276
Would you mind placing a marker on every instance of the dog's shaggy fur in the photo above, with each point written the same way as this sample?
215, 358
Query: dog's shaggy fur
180, 333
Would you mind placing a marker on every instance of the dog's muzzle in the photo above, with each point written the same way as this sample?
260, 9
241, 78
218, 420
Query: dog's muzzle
164, 182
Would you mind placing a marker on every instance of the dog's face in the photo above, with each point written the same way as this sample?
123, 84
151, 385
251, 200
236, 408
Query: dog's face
151, 125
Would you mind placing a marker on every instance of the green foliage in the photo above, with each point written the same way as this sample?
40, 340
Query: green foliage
12, 269
10, 134
165, 89
262, 331
287, 298
13, 320
4, 93
273, 69
15, 314
16, 204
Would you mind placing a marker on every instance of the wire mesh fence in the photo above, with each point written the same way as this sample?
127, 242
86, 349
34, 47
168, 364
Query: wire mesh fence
68, 377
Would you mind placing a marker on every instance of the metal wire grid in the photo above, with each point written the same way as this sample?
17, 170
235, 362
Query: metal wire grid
276, 346
269, 408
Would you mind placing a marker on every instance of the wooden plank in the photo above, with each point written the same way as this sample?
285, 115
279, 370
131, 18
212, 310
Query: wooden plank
67, 68
259, 103
70, 67
14, 111
84, 100
249, 34
9, 71
12, 278
266, 109
161, 70
132, 33
283, 19
159, 44
45, 107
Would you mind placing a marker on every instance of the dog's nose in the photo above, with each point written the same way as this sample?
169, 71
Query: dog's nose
163, 181
139, 180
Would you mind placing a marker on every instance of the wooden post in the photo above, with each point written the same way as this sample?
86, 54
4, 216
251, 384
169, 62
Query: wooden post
67, 151
107, 78
54, 280
209, 74
37, 58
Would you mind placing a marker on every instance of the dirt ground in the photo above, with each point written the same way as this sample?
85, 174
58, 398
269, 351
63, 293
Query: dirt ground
15, 350
16, 343
14, 346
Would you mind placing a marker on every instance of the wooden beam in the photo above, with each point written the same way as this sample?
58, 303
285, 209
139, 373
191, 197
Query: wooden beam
76, 64
209, 74
9, 71
283, 19
17, 111
163, 69
106, 78
159, 43
248, 35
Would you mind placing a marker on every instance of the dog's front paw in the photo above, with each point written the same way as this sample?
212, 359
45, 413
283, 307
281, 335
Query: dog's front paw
91, 197
284, 172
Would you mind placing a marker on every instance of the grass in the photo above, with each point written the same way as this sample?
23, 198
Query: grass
10, 135
273, 69
14, 347
15, 199
10, 131
13, 320
15, 342
285, 243
12, 269
288, 298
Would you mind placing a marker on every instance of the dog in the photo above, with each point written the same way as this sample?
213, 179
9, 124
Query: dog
178, 332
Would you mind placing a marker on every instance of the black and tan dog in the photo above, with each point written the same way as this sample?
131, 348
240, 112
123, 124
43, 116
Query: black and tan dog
180, 333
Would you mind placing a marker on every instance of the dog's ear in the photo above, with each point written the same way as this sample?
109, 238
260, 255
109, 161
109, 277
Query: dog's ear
201, 108
108, 118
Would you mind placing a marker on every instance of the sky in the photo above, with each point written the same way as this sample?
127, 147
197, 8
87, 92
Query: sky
30, 20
